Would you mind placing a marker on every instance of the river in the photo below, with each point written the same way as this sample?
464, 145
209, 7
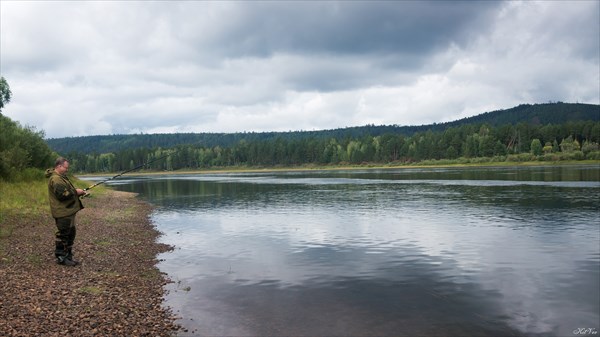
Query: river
383, 252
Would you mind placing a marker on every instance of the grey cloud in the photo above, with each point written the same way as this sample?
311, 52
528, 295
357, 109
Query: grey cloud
574, 30
154, 40
345, 45
262, 29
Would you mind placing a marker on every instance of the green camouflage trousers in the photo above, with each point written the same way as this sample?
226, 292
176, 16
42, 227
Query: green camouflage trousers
65, 236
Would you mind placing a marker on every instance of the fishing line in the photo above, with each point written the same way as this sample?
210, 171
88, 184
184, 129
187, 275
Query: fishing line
126, 171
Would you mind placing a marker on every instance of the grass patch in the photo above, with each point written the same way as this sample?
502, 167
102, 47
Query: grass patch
102, 242
35, 260
110, 273
91, 290
118, 215
23, 198
151, 274
6, 230
101, 253
30, 197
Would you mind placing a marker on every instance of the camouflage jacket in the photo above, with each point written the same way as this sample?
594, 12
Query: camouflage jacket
62, 195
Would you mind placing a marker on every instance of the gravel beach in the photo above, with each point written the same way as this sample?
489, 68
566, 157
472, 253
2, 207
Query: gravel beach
116, 291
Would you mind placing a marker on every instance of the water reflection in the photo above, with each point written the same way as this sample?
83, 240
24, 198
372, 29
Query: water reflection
389, 252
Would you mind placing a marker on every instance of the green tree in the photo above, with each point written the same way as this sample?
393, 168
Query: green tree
550, 133
547, 148
595, 133
390, 146
536, 147
487, 146
451, 152
5, 93
569, 145
471, 146
21, 148
499, 148
353, 151
555, 146
589, 147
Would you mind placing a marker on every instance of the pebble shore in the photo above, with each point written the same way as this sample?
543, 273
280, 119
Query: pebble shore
117, 289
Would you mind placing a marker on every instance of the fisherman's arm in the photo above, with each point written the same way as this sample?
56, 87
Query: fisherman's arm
63, 192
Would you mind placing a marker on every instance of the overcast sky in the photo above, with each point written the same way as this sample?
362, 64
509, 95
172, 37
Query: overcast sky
88, 68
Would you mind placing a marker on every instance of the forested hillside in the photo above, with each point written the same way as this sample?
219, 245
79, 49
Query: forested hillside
549, 132
538, 114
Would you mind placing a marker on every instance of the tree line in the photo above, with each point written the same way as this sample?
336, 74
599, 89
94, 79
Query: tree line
466, 143
536, 114
23, 150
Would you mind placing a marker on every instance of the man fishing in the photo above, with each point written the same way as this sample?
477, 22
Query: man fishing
64, 205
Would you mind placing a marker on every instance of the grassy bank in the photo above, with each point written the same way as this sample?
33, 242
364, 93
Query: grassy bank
29, 197
314, 167
25, 200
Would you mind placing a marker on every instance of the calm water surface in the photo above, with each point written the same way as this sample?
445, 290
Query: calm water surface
398, 252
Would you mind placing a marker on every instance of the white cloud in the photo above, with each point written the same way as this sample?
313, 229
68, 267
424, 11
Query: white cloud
122, 67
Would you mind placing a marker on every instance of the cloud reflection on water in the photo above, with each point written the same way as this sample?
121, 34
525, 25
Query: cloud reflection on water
474, 258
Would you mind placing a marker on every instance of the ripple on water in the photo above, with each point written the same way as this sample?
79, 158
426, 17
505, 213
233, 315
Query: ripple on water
376, 253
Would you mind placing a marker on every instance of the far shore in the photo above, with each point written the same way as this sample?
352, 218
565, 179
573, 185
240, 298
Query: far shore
366, 166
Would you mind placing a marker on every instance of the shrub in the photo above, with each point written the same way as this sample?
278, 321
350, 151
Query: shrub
521, 157
29, 174
593, 155
550, 157
576, 155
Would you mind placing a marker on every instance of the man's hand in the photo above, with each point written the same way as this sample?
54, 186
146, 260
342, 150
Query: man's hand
82, 193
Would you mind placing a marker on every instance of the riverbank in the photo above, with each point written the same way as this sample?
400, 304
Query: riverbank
116, 291
348, 167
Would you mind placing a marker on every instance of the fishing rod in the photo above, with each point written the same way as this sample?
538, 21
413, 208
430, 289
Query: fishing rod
126, 171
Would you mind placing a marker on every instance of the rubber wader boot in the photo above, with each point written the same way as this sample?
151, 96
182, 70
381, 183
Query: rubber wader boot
66, 262
61, 254
70, 255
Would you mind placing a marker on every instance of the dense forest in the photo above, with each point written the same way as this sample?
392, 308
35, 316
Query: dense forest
544, 132
469, 143
537, 114
21, 148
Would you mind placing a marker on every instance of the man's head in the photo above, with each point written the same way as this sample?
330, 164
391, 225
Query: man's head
61, 166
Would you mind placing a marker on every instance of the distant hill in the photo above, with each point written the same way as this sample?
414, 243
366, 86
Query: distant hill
536, 114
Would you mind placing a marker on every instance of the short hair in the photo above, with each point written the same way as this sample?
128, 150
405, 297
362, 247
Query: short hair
60, 161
